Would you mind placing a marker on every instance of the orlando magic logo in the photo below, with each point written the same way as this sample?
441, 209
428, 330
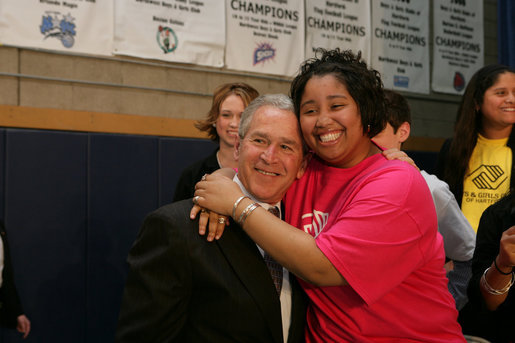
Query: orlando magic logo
56, 25
166, 39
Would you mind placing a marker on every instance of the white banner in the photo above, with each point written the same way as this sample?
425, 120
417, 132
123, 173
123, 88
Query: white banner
458, 47
188, 31
265, 36
338, 24
400, 44
80, 26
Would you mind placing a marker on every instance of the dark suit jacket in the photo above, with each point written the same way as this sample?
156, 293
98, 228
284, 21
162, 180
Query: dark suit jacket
181, 288
185, 188
10, 306
475, 318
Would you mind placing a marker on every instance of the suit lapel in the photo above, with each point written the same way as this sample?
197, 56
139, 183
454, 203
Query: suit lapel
243, 255
298, 311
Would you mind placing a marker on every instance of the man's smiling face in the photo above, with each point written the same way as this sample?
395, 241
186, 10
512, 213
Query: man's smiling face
270, 156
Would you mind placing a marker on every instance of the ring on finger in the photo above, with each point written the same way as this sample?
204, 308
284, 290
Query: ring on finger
195, 199
203, 210
203, 177
221, 220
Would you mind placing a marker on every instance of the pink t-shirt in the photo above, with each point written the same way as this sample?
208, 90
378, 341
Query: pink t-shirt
377, 225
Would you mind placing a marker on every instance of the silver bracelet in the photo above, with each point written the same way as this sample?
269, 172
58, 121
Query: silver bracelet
248, 210
236, 203
255, 205
492, 290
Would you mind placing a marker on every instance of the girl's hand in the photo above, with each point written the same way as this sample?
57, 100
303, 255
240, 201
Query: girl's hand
216, 222
211, 220
506, 258
217, 193
396, 154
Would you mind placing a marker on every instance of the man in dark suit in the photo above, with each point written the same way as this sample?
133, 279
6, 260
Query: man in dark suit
181, 288
11, 311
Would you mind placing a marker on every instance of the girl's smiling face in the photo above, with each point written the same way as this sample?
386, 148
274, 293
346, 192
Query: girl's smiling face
331, 122
228, 120
498, 106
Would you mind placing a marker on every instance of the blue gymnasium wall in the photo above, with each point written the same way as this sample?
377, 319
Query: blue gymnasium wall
72, 204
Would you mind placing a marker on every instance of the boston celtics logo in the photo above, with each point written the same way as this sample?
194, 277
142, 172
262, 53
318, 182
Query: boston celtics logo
166, 39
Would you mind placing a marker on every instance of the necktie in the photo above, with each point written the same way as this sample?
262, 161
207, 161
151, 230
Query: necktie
276, 270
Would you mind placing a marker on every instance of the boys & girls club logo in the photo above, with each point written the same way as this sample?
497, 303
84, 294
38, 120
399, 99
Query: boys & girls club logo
263, 53
56, 25
167, 39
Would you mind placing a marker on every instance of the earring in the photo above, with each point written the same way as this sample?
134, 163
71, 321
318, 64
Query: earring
368, 128
214, 124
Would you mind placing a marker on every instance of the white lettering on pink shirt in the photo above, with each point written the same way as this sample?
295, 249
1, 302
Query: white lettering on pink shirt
315, 225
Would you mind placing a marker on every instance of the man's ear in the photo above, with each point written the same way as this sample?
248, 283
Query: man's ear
303, 165
403, 132
236, 152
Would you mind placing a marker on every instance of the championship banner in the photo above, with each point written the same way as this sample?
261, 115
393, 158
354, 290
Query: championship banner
79, 26
265, 36
400, 44
458, 44
338, 24
187, 31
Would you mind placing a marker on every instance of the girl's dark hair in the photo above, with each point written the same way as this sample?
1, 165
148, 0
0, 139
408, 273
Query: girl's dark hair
469, 123
363, 84
244, 91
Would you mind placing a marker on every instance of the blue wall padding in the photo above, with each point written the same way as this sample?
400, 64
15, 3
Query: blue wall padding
175, 155
46, 219
2, 171
73, 204
123, 172
506, 32
425, 160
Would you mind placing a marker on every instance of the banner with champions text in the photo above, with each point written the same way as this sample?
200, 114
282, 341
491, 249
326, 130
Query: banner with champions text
338, 24
400, 44
458, 44
78, 26
265, 36
186, 31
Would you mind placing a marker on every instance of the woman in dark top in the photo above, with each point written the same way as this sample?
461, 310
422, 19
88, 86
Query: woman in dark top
221, 124
490, 312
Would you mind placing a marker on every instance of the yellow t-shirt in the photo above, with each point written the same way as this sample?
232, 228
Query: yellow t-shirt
487, 179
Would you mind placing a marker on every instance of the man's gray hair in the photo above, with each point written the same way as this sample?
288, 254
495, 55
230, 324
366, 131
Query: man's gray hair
279, 101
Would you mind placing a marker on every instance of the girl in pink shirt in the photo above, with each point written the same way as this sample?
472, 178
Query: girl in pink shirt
367, 250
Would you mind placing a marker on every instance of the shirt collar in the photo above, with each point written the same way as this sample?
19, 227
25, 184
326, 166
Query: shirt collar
263, 204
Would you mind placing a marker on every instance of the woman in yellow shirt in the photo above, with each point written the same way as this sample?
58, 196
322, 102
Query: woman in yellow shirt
477, 161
